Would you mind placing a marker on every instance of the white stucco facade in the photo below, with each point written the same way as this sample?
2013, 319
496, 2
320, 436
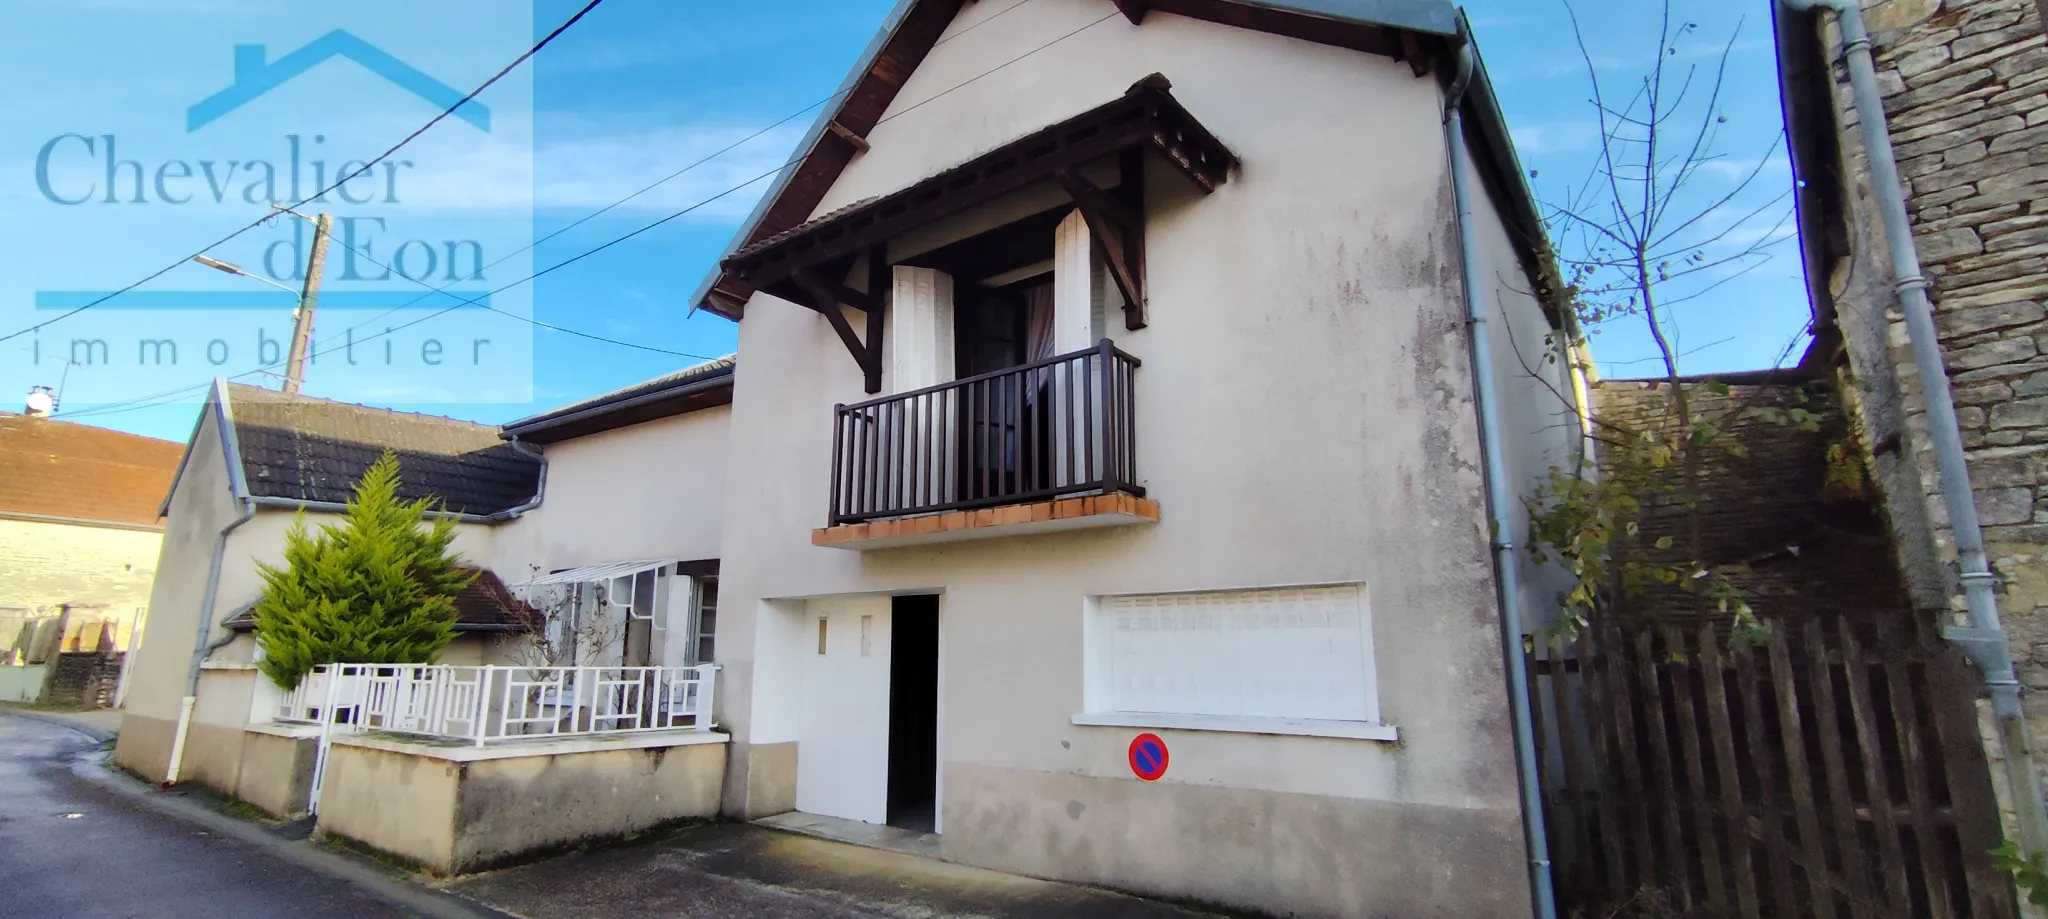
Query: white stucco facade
1306, 415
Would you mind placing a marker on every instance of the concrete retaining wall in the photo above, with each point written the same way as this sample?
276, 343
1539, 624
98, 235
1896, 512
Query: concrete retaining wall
22, 684
452, 810
277, 768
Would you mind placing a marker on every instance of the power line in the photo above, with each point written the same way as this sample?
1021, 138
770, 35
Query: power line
526, 319
394, 148
109, 408
678, 173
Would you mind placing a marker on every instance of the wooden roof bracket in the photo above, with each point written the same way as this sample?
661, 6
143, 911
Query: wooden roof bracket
1117, 222
829, 297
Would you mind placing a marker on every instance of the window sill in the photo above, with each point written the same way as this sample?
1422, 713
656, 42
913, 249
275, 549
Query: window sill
1298, 727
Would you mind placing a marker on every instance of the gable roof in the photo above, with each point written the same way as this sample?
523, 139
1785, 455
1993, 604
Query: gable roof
78, 472
298, 448
1422, 32
486, 605
695, 387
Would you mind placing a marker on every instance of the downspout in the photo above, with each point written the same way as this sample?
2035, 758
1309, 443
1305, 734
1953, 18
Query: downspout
1498, 500
1984, 639
540, 488
202, 643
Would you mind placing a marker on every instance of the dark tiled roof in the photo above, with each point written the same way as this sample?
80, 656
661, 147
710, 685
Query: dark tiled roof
486, 605
628, 405
56, 468
822, 219
308, 449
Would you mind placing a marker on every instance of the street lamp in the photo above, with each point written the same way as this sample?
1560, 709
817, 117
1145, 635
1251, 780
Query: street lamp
302, 312
232, 268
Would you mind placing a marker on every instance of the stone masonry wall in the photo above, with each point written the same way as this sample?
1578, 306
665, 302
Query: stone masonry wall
1966, 97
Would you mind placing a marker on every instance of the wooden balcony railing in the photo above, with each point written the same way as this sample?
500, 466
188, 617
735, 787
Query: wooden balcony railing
1060, 426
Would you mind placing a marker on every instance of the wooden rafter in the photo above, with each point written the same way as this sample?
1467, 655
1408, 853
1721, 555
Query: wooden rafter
846, 134
1147, 117
1413, 52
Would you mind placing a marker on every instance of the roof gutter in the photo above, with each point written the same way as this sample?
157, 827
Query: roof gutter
1506, 572
513, 431
339, 507
1985, 638
82, 522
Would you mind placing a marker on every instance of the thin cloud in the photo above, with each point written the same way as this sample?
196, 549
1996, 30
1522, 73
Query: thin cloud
588, 173
1554, 137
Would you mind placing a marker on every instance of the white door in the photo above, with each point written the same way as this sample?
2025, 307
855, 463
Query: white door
842, 753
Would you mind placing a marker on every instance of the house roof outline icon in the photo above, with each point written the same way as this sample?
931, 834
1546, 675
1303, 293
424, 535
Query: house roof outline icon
255, 76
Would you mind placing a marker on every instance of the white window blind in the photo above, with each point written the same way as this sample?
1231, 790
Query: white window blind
1292, 653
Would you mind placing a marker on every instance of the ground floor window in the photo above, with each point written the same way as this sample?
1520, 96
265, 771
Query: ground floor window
1278, 660
704, 623
634, 614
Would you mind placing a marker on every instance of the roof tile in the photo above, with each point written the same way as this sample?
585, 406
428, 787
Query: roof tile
58, 468
307, 449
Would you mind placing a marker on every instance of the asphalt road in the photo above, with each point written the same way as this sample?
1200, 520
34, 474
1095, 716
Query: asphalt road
73, 846
70, 849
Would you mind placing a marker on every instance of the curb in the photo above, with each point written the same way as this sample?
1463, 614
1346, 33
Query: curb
99, 734
372, 879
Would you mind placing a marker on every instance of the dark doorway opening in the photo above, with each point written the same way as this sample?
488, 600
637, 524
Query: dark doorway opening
914, 712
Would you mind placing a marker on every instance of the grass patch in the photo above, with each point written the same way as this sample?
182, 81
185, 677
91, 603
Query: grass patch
50, 707
245, 811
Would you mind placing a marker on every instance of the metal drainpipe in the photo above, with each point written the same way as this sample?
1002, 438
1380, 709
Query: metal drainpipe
1984, 640
1498, 500
540, 489
201, 645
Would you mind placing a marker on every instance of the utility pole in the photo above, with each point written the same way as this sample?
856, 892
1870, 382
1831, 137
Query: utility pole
309, 295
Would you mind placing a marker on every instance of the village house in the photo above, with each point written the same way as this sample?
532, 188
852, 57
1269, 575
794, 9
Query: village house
1105, 490
1111, 475
79, 535
259, 459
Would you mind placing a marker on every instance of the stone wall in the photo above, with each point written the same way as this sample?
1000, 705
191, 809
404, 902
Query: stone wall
1966, 97
85, 679
1797, 546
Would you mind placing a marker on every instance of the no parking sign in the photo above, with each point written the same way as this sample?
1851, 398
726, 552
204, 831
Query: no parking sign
1148, 757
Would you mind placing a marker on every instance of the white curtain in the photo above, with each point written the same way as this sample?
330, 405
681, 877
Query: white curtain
1038, 322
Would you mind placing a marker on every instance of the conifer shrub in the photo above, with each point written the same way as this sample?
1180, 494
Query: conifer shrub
379, 588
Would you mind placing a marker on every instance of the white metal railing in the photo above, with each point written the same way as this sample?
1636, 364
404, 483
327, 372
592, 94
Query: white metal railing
492, 704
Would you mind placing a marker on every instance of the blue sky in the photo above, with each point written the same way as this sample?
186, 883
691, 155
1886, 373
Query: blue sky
641, 88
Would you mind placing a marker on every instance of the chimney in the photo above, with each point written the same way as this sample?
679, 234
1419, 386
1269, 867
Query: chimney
40, 402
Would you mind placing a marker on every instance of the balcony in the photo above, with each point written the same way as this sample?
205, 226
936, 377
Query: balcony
1044, 446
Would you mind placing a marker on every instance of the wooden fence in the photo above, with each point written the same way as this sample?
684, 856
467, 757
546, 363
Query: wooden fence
1832, 771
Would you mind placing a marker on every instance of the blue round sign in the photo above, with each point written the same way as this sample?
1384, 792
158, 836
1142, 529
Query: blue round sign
1148, 757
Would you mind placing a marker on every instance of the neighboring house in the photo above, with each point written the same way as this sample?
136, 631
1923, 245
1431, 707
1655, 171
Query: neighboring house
257, 460
629, 527
1965, 95
78, 515
79, 536
1127, 390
